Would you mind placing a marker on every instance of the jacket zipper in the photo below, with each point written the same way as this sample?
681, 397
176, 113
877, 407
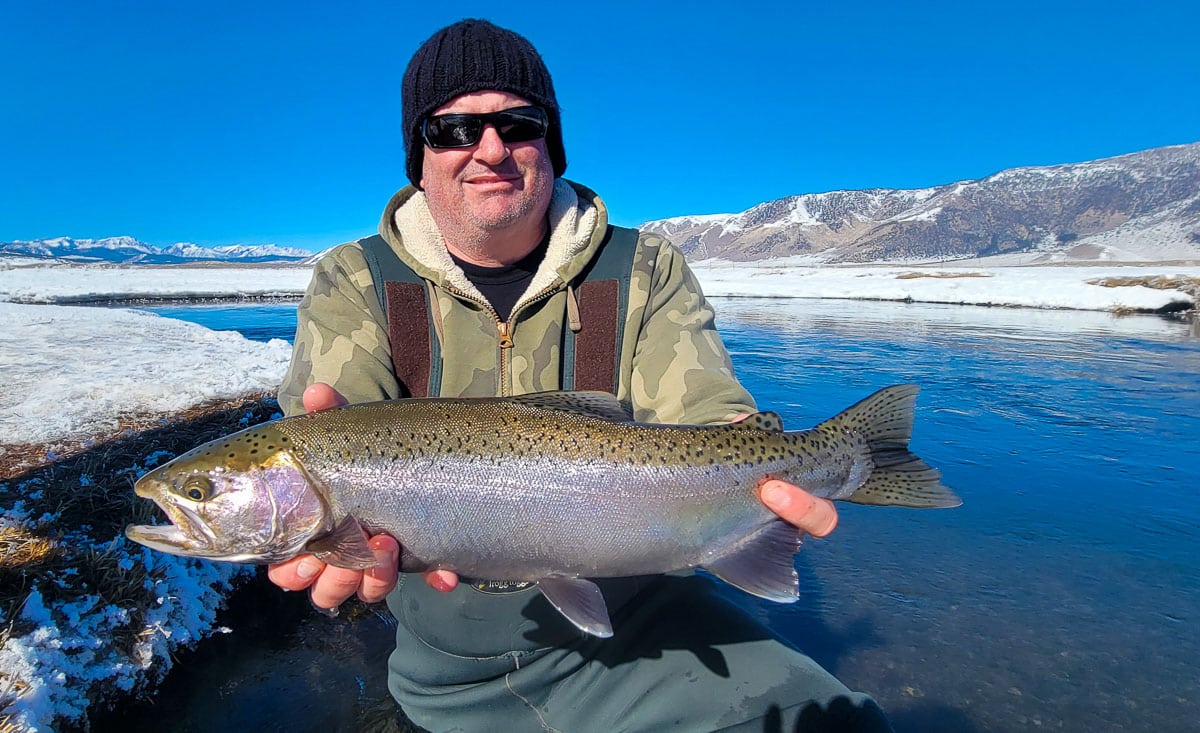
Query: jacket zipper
504, 328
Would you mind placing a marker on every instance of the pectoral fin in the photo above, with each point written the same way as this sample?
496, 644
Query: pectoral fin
346, 547
763, 564
580, 601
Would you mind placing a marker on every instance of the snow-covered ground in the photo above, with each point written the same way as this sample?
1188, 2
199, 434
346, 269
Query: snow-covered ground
69, 371
74, 283
1033, 287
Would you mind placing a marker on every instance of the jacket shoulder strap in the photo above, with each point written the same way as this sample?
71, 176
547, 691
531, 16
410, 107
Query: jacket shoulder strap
416, 352
592, 358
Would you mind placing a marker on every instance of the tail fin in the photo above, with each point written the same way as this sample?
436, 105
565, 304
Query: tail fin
898, 476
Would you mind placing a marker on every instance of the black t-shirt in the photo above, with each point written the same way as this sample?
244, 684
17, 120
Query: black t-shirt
503, 285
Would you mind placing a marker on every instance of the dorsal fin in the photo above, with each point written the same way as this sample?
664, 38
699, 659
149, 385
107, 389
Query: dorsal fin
769, 421
600, 405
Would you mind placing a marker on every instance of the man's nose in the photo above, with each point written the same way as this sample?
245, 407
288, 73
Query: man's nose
491, 149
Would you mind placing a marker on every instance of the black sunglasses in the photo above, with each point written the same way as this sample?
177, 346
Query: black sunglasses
516, 125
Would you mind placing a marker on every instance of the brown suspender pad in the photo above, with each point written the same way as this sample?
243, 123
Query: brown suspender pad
596, 344
408, 332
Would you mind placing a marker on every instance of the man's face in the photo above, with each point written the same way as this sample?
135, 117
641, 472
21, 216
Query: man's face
492, 185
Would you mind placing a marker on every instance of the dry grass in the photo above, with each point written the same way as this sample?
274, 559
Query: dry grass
940, 275
21, 548
1189, 285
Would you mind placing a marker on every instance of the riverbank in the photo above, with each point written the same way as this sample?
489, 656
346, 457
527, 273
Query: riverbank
1146, 288
89, 618
93, 399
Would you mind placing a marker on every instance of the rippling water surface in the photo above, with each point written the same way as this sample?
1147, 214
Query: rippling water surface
1064, 594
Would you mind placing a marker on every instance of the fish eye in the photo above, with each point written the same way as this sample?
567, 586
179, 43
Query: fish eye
197, 488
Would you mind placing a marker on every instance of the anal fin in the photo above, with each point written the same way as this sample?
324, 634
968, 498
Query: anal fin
764, 564
580, 601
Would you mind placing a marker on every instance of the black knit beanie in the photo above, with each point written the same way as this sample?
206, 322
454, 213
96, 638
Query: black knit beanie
472, 56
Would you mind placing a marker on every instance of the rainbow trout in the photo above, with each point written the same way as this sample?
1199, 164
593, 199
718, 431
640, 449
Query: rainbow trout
554, 487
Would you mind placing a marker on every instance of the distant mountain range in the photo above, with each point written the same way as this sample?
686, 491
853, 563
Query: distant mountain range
1142, 207
129, 251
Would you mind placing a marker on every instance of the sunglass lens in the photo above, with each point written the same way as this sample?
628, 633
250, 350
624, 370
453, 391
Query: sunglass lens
518, 125
453, 131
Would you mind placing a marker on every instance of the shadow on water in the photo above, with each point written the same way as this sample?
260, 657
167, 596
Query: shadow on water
840, 716
281, 667
284, 667
931, 717
807, 625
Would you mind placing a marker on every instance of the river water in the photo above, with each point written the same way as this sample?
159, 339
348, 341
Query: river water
1063, 595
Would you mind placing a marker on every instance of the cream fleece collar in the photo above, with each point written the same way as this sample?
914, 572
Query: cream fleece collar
576, 229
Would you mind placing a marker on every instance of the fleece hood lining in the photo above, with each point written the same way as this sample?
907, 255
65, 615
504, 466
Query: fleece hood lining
573, 224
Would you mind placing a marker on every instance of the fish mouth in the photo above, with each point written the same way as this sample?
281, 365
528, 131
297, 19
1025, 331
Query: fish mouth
164, 538
187, 534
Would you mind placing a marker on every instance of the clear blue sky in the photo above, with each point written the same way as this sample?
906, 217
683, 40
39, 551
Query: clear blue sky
259, 122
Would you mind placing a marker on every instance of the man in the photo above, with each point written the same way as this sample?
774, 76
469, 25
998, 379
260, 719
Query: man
500, 241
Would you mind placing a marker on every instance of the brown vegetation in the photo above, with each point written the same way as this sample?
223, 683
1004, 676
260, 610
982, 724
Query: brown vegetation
1189, 285
941, 275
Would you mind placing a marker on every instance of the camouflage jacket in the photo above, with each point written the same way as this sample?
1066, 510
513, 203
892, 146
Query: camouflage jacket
674, 368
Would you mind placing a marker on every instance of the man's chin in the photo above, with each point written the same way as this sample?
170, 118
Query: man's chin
497, 210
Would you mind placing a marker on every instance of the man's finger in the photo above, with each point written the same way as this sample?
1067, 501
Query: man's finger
378, 581
443, 580
335, 585
817, 517
320, 396
297, 573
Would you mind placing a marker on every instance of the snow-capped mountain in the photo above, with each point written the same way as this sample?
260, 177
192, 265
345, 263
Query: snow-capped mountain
1141, 207
129, 251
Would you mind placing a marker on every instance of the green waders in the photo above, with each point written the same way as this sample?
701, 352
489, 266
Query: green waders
682, 658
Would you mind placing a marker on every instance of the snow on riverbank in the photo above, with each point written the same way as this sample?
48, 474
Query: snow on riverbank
62, 283
70, 373
1034, 287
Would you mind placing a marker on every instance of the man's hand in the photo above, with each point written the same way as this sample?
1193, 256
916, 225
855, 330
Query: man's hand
817, 517
330, 584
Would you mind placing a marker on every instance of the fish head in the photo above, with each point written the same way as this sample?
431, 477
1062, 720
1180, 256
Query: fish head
242, 498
